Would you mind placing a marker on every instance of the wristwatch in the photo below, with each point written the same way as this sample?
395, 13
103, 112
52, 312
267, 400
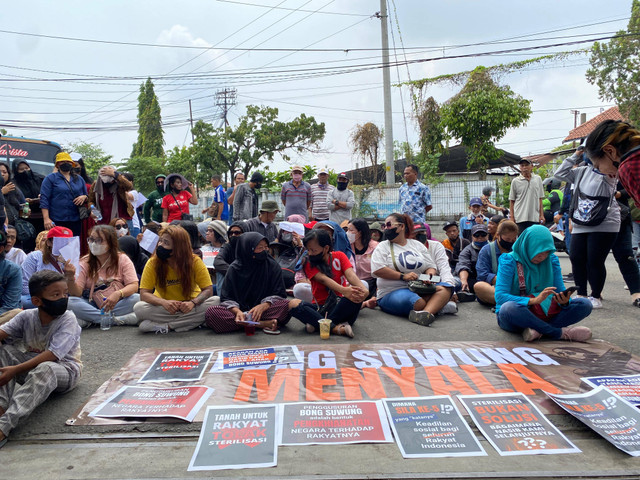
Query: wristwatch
402, 277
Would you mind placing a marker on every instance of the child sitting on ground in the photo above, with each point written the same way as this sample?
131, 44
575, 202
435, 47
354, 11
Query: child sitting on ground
51, 336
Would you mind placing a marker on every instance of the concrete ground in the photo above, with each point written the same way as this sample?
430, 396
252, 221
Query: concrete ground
44, 447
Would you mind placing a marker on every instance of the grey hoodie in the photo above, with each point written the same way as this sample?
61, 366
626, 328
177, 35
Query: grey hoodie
592, 183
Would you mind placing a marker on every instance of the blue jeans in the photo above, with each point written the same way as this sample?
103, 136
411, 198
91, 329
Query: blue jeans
514, 317
567, 232
399, 302
90, 313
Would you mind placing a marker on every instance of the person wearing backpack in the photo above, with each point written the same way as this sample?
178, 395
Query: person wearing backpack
595, 214
488, 259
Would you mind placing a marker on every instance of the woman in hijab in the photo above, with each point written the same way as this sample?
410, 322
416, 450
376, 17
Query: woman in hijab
13, 196
253, 290
227, 253
530, 295
131, 247
29, 183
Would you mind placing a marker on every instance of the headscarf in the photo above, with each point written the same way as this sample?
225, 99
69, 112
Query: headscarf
534, 240
29, 182
248, 281
295, 218
340, 239
131, 247
100, 188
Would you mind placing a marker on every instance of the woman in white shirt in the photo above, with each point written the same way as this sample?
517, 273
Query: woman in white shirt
398, 260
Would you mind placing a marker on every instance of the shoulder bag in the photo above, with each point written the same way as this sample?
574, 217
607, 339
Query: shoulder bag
587, 210
416, 286
184, 216
83, 211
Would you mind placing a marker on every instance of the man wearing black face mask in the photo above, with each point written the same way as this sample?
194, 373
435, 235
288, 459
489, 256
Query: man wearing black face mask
245, 198
153, 205
51, 337
340, 201
487, 264
466, 268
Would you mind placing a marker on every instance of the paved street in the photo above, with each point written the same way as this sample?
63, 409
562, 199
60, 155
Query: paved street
44, 446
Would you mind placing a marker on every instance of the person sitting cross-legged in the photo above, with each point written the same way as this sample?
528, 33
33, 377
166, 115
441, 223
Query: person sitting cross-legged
530, 294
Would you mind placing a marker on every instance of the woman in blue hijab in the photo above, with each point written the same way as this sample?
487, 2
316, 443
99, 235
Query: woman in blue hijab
530, 293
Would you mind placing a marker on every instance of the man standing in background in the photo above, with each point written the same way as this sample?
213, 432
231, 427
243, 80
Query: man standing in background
238, 178
296, 195
153, 205
319, 192
415, 197
525, 197
340, 201
219, 199
245, 198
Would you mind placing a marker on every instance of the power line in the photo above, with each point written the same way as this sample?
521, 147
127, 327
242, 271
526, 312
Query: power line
346, 14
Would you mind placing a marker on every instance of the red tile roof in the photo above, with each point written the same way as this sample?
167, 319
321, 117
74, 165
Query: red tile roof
583, 131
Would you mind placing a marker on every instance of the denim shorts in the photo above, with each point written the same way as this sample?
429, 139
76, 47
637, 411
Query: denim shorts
399, 302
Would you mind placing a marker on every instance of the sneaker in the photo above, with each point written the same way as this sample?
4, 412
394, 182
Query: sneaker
596, 302
421, 318
83, 323
449, 308
465, 297
576, 334
530, 335
129, 319
568, 277
147, 326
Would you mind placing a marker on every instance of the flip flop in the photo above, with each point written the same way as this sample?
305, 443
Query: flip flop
271, 332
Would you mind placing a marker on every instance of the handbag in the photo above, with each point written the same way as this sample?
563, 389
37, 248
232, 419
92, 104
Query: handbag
588, 210
537, 310
83, 212
99, 293
184, 216
416, 286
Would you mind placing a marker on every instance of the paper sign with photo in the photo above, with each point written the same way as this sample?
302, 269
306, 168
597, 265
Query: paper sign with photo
149, 241
71, 252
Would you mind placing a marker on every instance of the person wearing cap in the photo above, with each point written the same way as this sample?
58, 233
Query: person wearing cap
11, 274
296, 194
42, 260
475, 217
422, 232
376, 231
454, 243
466, 268
153, 205
340, 201
493, 226
245, 198
319, 192
486, 203
415, 197
238, 178
263, 223
525, 197
61, 193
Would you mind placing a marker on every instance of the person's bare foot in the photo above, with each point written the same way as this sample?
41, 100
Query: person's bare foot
343, 329
371, 303
268, 324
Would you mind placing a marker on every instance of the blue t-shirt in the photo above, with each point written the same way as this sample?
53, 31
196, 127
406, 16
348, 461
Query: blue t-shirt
220, 197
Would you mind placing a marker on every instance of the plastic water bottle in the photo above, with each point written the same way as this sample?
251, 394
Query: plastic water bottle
96, 213
105, 319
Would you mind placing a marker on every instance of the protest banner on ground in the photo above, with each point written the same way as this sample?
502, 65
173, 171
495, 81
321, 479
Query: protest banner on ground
628, 387
354, 372
334, 423
148, 402
256, 357
177, 367
514, 426
431, 427
608, 414
237, 437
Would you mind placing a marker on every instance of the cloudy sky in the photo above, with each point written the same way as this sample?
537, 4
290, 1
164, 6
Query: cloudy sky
291, 54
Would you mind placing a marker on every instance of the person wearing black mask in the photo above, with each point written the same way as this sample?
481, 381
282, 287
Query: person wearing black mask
153, 205
29, 183
340, 201
175, 288
227, 253
487, 264
253, 290
337, 292
245, 198
466, 268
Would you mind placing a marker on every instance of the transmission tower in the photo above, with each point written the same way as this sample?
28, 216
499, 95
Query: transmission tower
225, 99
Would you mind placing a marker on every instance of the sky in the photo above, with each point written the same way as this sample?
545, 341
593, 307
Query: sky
289, 54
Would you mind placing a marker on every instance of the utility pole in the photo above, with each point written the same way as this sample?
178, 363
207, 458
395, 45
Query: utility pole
191, 120
225, 99
575, 121
386, 88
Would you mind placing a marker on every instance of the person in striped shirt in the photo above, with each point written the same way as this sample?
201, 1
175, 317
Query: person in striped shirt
319, 193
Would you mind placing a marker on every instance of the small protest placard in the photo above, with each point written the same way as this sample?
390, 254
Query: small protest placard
334, 423
431, 427
628, 386
237, 437
611, 416
147, 402
515, 426
177, 367
256, 357
149, 241
209, 254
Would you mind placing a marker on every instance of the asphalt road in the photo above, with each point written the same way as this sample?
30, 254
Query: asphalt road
59, 451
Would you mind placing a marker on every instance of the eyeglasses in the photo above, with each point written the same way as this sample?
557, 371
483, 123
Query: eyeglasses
389, 225
120, 227
210, 230
480, 234
235, 233
97, 241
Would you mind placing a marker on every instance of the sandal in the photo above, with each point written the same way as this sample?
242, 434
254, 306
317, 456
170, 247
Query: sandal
271, 332
636, 302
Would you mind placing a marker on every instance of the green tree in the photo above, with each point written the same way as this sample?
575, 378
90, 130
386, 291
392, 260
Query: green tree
256, 139
144, 171
480, 114
615, 67
365, 142
93, 155
150, 134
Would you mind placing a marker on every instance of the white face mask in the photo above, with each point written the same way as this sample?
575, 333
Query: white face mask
122, 232
107, 179
98, 249
351, 237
